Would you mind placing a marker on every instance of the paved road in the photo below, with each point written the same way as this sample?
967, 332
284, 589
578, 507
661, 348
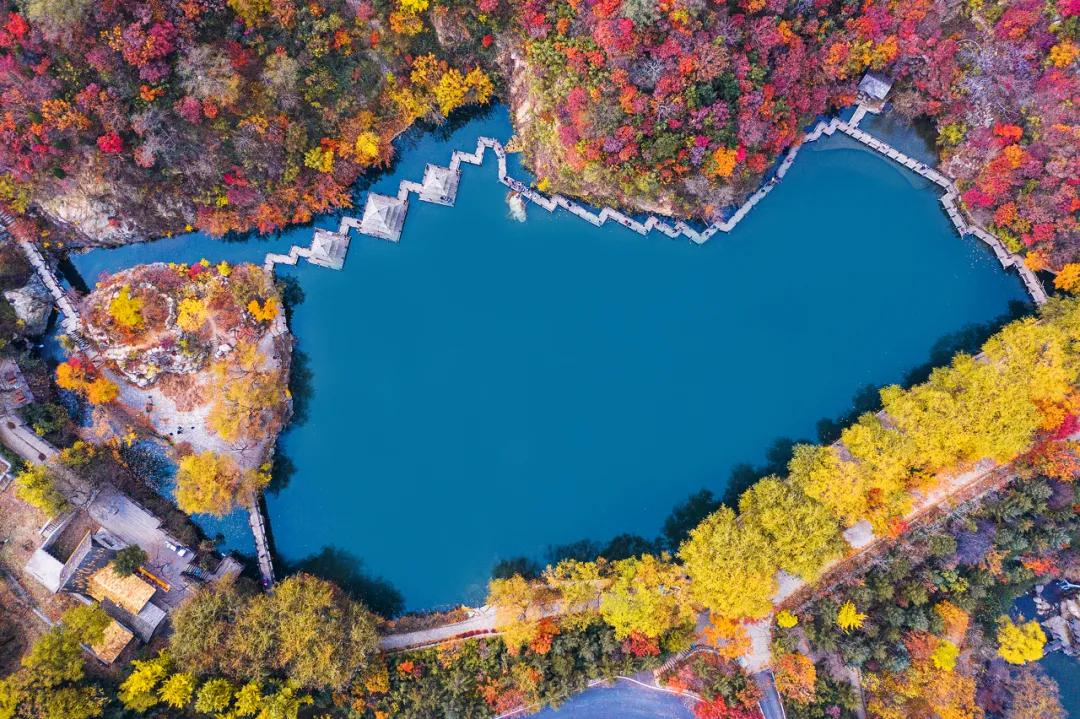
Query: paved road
770, 704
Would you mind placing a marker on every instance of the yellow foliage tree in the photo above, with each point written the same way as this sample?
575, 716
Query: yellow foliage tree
579, 586
518, 609
820, 473
406, 23
139, 691
319, 158
923, 689
367, 147
731, 570
247, 395
944, 655
126, 309
1068, 278
728, 636
265, 312
786, 620
101, 391
450, 92
192, 314
178, 690
955, 619
849, 618
36, 485
1020, 643
209, 483
647, 596
480, 84
803, 535
214, 696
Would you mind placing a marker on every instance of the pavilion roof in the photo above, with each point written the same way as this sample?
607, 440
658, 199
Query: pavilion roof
875, 85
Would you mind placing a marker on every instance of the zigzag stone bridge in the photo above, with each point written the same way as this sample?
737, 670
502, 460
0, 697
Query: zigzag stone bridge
384, 215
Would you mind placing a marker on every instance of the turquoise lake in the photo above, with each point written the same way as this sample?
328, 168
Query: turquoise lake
487, 388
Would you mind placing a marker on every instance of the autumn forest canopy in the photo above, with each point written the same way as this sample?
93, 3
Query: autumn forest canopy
128, 119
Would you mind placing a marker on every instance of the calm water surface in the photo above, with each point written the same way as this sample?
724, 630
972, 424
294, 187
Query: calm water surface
487, 388
1066, 672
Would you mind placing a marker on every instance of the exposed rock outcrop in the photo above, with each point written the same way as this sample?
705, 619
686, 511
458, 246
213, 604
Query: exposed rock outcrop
32, 304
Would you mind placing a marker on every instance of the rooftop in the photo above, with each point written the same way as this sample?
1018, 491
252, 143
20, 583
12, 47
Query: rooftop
329, 249
130, 593
14, 391
440, 184
384, 217
115, 639
875, 86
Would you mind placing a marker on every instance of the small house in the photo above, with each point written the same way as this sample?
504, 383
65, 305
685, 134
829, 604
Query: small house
873, 89
114, 641
14, 390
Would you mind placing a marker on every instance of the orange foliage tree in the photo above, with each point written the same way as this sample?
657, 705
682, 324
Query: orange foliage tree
796, 677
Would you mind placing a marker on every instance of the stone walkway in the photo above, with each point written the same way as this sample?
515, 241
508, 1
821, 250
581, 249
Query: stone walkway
681, 229
63, 302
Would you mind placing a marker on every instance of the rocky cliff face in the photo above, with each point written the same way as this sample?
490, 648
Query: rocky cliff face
32, 304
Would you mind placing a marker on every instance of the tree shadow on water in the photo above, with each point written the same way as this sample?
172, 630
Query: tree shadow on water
866, 399
744, 474
281, 473
346, 570
969, 338
301, 386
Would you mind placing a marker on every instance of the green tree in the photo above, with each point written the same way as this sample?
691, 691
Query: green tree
178, 690
215, 696
307, 631
88, 622
56, 658
128, 560
201, 628
139, 691
50, 683
579, 586
56, 17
